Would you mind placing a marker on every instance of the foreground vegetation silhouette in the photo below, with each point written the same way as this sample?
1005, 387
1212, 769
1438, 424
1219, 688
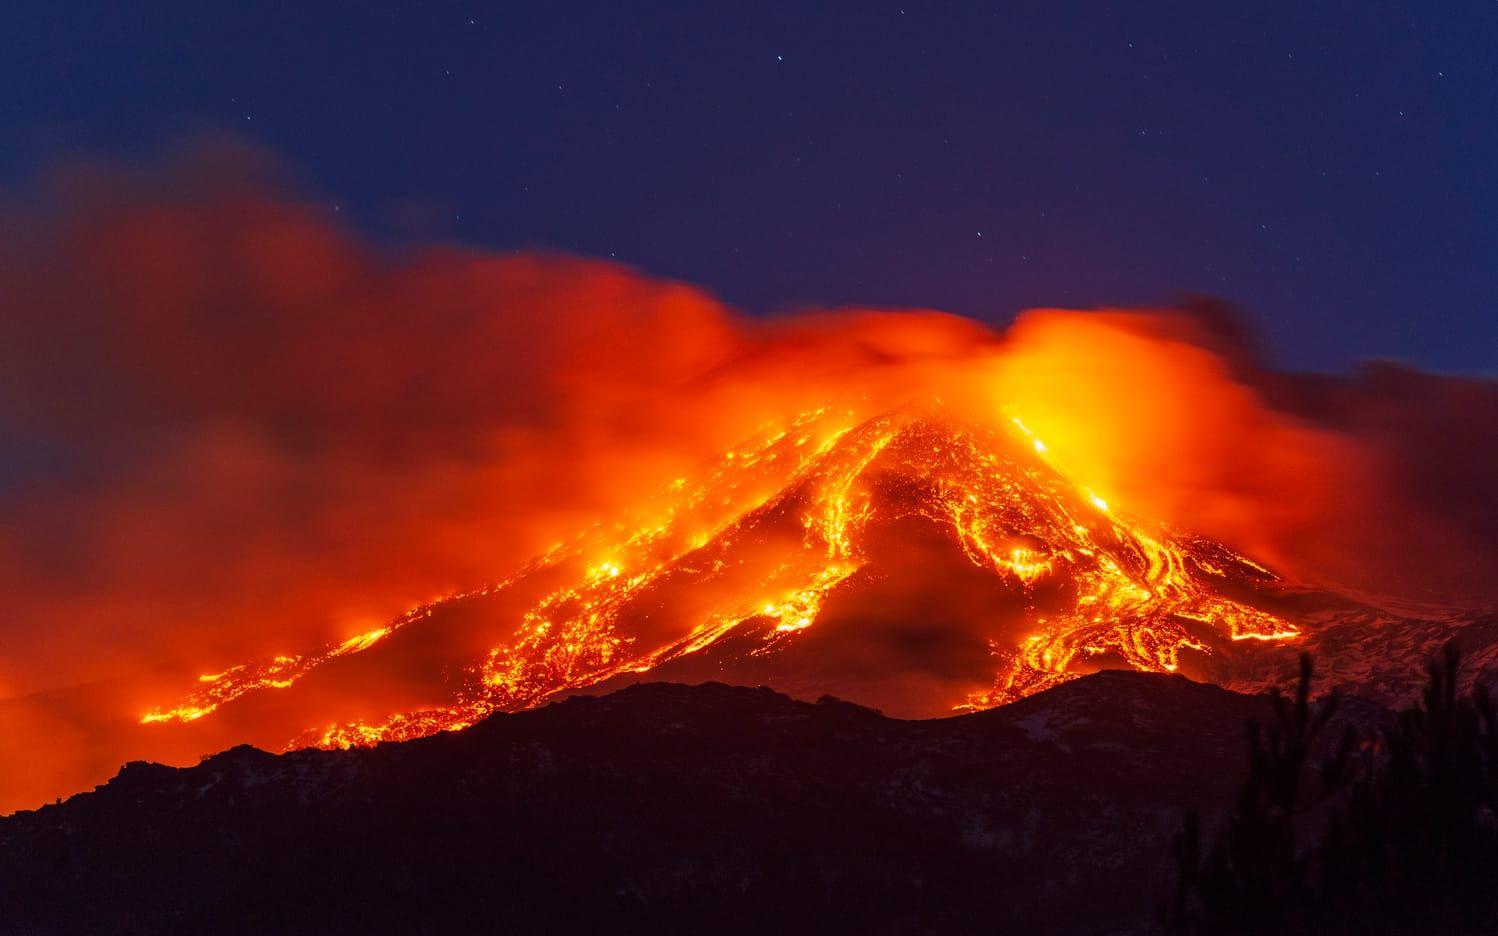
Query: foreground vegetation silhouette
1392, 829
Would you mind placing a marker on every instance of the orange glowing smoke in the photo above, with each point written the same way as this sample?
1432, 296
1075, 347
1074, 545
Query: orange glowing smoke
261, 439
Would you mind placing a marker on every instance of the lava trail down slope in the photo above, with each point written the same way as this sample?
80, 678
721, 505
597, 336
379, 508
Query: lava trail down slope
915, 561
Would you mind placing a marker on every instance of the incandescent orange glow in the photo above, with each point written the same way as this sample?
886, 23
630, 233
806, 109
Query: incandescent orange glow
278, 673
268, 429
1140, 596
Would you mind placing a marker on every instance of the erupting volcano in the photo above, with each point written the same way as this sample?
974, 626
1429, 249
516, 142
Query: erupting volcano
920, 560
907, 510
796, 471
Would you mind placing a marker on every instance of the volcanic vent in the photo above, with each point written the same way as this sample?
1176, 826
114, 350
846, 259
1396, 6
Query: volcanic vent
919, 561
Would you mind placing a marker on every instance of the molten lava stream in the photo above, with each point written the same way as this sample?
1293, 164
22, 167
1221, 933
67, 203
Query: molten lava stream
777, 527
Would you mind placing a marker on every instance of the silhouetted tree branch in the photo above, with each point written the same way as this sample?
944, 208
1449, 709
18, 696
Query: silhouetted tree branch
1411, 845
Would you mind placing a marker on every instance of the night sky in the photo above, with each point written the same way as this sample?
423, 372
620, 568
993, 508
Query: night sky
1331, 167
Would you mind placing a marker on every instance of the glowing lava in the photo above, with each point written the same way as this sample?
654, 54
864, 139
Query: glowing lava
779, 526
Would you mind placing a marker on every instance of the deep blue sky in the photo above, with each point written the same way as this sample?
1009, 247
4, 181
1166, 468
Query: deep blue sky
1332, 167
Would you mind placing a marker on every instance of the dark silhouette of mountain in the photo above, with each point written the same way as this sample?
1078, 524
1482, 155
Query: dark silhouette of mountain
662, 808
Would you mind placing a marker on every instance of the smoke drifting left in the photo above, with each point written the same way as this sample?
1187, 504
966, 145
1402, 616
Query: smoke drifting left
261, 434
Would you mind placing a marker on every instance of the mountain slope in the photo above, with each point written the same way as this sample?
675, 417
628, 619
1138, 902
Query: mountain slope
658, 807
916, 561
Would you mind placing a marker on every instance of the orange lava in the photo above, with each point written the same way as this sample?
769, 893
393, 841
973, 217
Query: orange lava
1113, 586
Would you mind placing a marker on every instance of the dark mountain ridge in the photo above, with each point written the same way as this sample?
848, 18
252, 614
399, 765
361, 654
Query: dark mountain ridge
659, 807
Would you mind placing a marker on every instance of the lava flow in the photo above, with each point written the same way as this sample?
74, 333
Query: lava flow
781, 526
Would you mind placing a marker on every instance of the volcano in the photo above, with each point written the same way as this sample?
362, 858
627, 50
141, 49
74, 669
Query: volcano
919, 561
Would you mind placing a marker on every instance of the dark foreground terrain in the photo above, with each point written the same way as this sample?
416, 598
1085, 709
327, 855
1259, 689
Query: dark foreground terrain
662, 808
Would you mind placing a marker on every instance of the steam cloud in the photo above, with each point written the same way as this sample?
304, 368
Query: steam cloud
237, 428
